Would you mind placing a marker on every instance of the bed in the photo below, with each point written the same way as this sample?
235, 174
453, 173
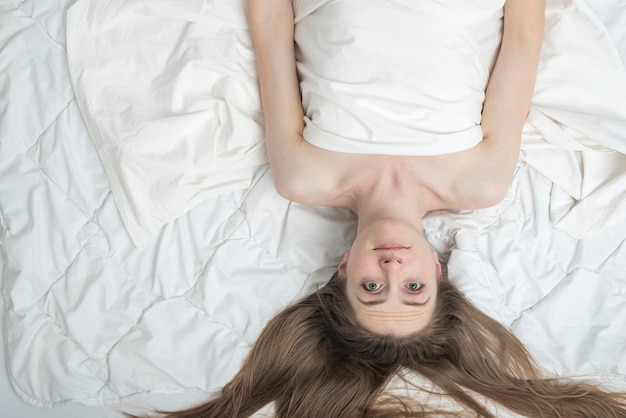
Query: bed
103, 311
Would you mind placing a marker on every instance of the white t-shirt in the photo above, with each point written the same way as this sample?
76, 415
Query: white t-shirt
395, 76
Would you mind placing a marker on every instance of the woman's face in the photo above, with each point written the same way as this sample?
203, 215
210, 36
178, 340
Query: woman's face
391, 278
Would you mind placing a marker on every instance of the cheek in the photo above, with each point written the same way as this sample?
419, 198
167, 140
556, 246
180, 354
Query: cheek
355, 270
359, 265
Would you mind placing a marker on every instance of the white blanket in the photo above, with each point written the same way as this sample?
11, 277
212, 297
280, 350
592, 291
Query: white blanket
170, 98
576, 131
91, 318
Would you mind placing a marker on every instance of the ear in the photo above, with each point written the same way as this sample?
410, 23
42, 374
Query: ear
437, 265
343, 264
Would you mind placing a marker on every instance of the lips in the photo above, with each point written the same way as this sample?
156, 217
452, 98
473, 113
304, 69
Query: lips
389, 247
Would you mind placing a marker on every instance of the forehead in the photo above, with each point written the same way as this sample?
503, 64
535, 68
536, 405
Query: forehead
392, 319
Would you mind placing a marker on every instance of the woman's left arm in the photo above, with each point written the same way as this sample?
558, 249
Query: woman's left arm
302, 172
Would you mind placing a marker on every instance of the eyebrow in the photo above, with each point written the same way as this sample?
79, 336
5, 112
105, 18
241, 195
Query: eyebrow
379, 301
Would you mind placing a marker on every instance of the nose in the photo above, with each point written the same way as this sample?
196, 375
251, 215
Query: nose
390, 260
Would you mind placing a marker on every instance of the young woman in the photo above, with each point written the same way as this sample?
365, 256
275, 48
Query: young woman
390, 272
388, 309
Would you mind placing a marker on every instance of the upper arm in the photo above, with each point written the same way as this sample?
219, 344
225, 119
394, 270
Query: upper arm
510, 88
485, 171
524, 19
512, 80
300, 170
271, 26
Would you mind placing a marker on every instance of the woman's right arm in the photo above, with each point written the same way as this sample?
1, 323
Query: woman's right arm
301, 171
507, 103
512, 81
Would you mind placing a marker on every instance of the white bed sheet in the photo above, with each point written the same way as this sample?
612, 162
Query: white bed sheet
234, 260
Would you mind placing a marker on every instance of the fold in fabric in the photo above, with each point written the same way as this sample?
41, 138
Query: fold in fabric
575, 134
169, 94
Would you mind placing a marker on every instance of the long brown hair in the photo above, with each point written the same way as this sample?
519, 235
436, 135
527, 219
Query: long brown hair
314, 360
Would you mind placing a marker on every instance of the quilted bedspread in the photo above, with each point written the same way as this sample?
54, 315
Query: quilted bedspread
92, 318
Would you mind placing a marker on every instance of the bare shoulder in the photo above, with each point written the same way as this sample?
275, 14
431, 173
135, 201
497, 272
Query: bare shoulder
470, 179
316, 176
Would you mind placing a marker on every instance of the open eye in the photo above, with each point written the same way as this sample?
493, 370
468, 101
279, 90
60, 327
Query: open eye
371, 287
414, 287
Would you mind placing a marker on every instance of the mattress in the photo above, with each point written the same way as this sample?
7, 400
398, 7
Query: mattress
91, 318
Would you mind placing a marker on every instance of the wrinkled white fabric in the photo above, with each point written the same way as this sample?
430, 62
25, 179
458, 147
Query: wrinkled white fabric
170, 97
575, 134
395, 77
91, 318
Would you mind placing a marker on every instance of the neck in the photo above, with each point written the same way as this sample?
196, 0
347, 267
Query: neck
390, 198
